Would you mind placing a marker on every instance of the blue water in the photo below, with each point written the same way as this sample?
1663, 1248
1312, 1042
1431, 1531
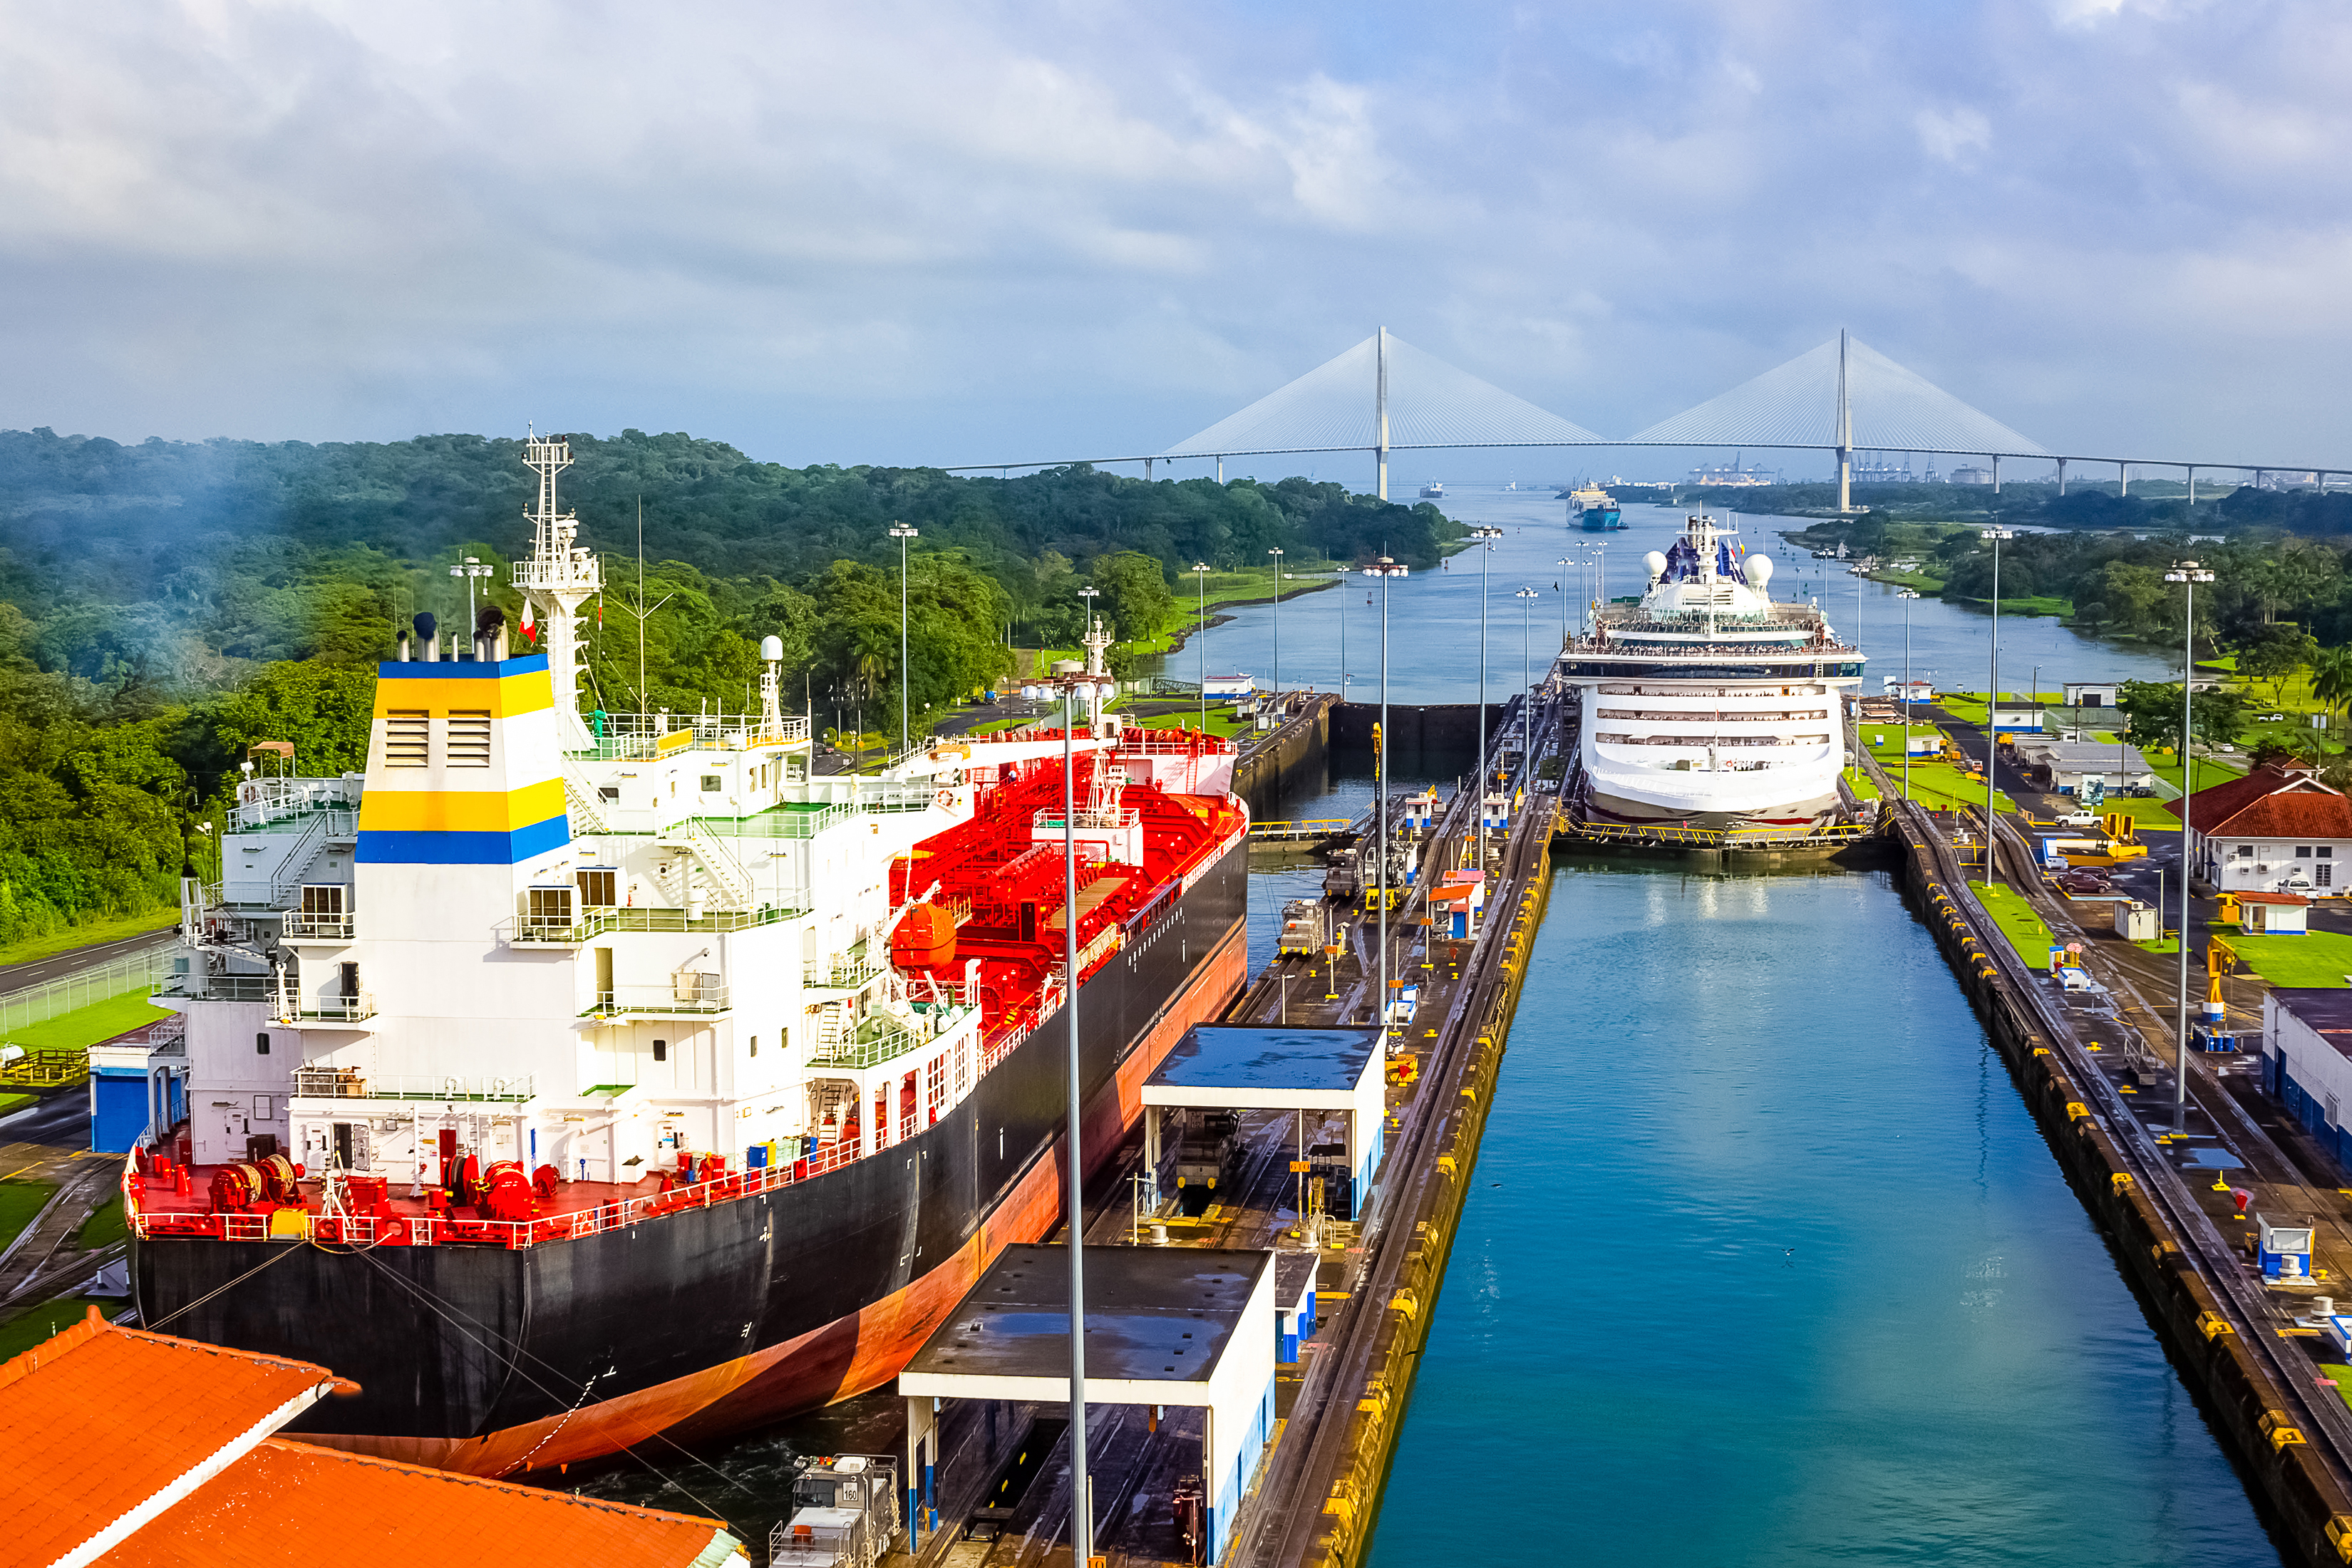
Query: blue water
1434, 616
1764, 1262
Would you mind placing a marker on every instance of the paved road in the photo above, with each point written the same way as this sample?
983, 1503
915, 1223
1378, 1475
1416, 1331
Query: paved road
60, 1121
17, 976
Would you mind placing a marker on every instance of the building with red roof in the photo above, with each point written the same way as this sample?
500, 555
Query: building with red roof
2275, 830
139, 1450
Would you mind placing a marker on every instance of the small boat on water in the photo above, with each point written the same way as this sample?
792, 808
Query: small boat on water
1432, 490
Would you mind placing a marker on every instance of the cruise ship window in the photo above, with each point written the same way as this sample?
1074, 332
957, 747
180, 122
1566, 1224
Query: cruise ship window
469, 738
405, 735
712, 783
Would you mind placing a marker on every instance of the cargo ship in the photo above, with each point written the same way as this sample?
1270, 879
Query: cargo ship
571, 1077
1595, 508
1707, 703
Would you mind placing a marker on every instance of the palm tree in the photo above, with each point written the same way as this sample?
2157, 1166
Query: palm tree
2331, 679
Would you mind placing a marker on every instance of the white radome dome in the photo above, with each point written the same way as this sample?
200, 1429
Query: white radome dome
1760, 571
1657, 562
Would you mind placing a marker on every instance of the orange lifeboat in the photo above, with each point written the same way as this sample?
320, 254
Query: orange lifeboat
925, 939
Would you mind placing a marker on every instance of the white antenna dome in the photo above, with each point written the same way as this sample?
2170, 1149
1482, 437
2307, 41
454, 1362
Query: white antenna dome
1657, 562
772, 648
1760, 571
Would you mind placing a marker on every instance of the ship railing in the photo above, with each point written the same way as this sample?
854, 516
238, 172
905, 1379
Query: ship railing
868, 1046
522, 931
842, 971
634, 737
333, 1008
688, 991
290, 1224
199, 986
321, 927
351, 1083
261, 802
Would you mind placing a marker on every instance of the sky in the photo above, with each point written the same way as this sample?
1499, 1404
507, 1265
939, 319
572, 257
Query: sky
910, 232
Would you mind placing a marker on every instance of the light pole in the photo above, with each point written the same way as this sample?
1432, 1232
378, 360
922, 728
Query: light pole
1601, 572
902, 534
1526, 687
1906, 596
1576, 562
1277, 553
470, 569
1201, 576
1387, 570
1082, 1513
2188, 573
1486, 538
1992, 695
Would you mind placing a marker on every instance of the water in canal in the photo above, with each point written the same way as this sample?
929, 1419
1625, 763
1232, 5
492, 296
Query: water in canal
1764, 1262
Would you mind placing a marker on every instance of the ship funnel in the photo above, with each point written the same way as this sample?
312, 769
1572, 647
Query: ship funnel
1657, 562
428, 633
1760, 571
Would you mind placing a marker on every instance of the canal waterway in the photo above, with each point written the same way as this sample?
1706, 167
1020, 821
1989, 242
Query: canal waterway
1765, 1262
1434, 616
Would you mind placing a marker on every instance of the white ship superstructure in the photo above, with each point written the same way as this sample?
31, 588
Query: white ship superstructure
585, 940
1709, 703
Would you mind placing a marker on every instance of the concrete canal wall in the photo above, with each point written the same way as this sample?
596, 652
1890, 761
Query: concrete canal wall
1284, 756
2243, 1387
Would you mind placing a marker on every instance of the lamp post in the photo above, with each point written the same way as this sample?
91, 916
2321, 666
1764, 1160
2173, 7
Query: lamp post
1992, 695
1601, 572
1277, 553
2188, 573
472, 567
1201, 576
902, 534
1576, 562
1906, 596
1387, 570
1526, 686
1082, 1513
1486, 538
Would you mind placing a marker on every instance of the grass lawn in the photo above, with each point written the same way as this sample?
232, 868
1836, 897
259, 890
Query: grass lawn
19, 1202
1939, 786
2210, 770
1220, 721
2324, 958
103, 1227
2040, 605
113, 930
2343, 1376
9, 1102
2024, 929
88, 1026
33, 1325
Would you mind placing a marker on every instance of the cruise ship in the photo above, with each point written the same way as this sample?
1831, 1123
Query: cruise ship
568, 1077
1707, 703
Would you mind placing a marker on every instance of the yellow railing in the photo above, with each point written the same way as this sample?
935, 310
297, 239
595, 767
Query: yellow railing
1313, 828
1707, 837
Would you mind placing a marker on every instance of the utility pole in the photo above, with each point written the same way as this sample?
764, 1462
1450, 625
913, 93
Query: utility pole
2188, 573
1387, 571
1277, 553
1906, 596
1486, 538
902, 534
1992, 697
1201, 576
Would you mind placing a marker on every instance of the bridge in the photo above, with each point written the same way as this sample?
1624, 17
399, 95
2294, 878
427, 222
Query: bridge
1383, 395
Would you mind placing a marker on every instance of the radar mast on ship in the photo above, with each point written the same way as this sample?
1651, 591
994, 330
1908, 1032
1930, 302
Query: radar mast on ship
559, 577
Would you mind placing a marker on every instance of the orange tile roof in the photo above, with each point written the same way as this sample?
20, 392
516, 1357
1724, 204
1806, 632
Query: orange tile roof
298, 1505
2217, 803
2289, 814
98, 1420
2269, 899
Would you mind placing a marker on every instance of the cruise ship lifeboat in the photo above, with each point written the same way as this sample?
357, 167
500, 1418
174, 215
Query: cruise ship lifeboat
925, 939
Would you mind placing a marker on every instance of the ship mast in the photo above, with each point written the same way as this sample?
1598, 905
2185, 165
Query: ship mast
558, 578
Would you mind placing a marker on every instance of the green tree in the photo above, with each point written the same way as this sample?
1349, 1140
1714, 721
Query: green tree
1136, 598
322, 710
2152, 710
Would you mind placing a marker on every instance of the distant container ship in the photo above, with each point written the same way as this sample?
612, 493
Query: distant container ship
1593, 507
568, 1077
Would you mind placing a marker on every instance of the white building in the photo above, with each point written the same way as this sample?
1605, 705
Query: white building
2275, 830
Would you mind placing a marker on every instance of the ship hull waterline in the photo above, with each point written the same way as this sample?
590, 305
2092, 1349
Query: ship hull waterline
501, 1361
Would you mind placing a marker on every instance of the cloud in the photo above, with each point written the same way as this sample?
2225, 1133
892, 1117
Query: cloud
1953, 136
915, 231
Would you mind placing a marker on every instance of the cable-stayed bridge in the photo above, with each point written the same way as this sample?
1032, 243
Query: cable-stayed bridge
1383, 395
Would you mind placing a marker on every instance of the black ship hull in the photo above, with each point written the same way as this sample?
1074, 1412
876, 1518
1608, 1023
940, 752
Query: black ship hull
500, 1360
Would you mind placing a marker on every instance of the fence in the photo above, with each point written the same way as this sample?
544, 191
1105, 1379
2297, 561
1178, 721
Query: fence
140, 972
